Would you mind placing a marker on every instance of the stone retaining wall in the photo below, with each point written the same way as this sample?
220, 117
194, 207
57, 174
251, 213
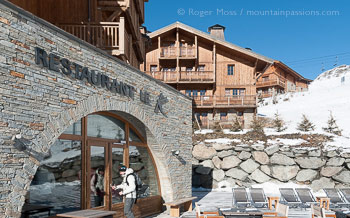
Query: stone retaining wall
218, 165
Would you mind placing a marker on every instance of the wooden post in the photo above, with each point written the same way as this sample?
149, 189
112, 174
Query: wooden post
122, 33
177, 47
214, 62
196, 46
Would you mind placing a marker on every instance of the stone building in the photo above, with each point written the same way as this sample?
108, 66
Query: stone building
68, 108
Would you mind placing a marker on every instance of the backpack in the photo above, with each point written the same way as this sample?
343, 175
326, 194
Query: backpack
138, 184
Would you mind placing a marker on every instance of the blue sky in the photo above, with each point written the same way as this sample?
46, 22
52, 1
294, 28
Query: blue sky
304, 41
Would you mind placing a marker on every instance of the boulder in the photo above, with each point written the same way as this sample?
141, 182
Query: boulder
227, 183
259, 176
136, 166
348, 165
306, 175
335, 161
218, 175
258, 147
310, 162
288, 153
284, 173
205, 167
343, 177
332, 153
202, 152
223, 154
217, 162
281, 159
222, 146
323, 182
261, 157
330, 171
346, 155
272, 149
237, 174
244, 155
69, 173
315, 153
230, 162
300, 151
242, 147
249, 166
206, 181
285, 148
266, 169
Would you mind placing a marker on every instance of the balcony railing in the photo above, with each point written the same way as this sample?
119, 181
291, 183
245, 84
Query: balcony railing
168, 52
187, 51
274, 82
183, 76
224, 101
173, 52
104, 35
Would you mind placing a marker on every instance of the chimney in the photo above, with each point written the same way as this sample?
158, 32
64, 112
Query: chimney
217, 31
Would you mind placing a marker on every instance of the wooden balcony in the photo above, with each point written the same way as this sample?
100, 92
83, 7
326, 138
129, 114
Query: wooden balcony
187, 52
224, 101
172, 52
270, 83
109, 36
168, 52
183, 76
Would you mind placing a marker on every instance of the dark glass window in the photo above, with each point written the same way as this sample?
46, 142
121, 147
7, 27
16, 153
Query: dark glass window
230, 69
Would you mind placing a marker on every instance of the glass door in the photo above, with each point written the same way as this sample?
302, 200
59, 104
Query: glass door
97, 175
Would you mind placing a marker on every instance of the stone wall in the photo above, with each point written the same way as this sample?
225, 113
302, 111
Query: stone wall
218, 165
39, 104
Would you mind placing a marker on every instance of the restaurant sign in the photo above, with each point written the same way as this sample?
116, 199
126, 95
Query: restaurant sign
98, 79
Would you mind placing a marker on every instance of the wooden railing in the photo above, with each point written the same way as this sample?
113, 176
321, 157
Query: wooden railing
104, 35
224, 101
183, 76
168, 51
274, 82
187, 51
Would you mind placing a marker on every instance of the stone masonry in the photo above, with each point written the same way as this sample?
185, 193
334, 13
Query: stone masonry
39, 104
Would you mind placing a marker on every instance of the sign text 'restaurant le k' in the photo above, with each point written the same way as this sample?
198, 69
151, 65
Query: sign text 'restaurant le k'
76, 71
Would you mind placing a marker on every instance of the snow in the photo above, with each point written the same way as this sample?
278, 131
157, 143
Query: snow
222, 141
227, 131
290, 142
326, 94
203, 131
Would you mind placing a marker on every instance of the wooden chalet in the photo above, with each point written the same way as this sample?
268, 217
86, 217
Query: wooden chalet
112, 25
279, 78
222, 78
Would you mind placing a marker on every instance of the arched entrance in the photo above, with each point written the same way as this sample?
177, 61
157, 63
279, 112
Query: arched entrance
102, 140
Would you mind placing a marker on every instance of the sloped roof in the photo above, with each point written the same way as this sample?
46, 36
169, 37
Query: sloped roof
209, 37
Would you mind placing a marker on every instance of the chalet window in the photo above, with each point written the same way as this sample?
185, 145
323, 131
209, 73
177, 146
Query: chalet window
265, 78
204, 115
195, 93
172, 69
230, 69
153, 68
165, 69
188, 93
189, 69
228, 92
202, 92
240, 113
238, 91
200, 67
223, 116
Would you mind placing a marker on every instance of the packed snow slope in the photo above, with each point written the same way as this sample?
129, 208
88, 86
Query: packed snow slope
329, 92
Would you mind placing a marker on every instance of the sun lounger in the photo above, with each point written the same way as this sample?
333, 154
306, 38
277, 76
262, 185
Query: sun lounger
306, 197
289, 197
240, 197
258, 197
334, 197
346, 193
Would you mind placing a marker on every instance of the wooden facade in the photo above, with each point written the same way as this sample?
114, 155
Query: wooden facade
279, 78
222, 78
112, 25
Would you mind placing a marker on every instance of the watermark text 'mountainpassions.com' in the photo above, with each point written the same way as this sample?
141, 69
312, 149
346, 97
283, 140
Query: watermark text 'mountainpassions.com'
243, 12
